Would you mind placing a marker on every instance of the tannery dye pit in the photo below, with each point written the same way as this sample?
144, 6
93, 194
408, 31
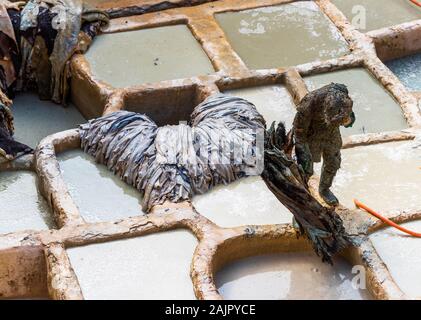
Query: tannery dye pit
146, 56
247, 201
146, 172
289, 276
252, 34
113, 200
378, 14
139, 267
32, 125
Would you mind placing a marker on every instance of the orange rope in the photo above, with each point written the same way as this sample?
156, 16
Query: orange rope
416, 2
386, 220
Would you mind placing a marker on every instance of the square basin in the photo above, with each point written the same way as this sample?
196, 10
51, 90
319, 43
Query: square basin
162, 106
378, 14
155, 266
375, 109
23, 273
113, 200
274, 103
402, 256
36, 119
247, 201
288, 276
283, 35
385, 176
133, 58
22, 206
408, 70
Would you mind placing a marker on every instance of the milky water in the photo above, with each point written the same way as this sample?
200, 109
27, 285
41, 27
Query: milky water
408, 70
274, 103
384, 176
375, 109
132, 58
22, 207
245, 201
378, 14
283, 35
289, 276
402, 256
98, 193
151, 267
36, 119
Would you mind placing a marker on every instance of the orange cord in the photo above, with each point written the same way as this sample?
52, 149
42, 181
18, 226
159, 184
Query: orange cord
416, 2
386, 220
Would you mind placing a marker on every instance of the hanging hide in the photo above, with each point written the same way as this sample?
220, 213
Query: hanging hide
286, 179
8, 48
9, 149
50, 32
37, 40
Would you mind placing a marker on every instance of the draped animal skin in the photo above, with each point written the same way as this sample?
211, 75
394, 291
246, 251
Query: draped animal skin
37, 40
50, 32
221, 144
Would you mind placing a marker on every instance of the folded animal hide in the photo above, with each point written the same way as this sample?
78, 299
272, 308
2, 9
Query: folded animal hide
174, 162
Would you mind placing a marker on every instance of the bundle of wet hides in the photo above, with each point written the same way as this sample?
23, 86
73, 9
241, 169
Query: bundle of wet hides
174, 162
